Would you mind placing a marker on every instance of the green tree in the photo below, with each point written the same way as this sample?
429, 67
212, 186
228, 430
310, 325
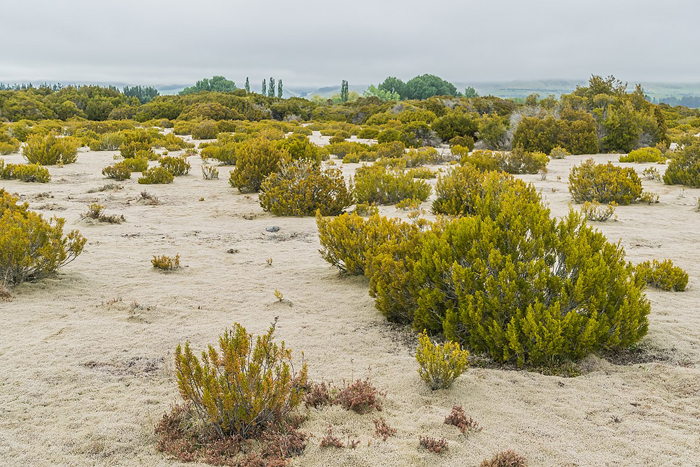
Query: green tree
425, 86
470, 92
144, 94
394, 85
247, 84
271, 88
217, 83
382, 94
279, 89
264, 88
344, 91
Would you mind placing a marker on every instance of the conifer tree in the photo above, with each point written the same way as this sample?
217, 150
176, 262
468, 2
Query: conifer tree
264, 88
279, 89
271, 88
247, 85
344, 91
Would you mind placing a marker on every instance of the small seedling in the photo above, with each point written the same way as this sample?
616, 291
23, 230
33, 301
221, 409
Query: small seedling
269, 261
279, 295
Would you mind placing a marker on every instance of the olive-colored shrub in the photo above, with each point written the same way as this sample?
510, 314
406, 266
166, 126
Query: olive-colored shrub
166, 263
558, 153
51, 149
662, 275
300, 188
255, 160
129, 149
24, 172
440, 364
368, 133
136, 164
596, 212
375, 184
183, 127
516, 161
247, 385
463, 141
30, 247
604, 183
223, 151
205, 130
507, 279
118, 171
684, 168
643, 155
175, 165
8, 144
300, 148
156, 175
107, 142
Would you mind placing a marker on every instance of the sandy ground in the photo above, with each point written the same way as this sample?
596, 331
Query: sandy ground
86, 356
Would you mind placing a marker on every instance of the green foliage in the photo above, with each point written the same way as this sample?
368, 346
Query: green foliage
30, 247
368, 133
223, 151
244, 386
558, 153
136, 164
651, 173
210, 172
300, 148
643, 155
129, 149
175, 165
462, 142
575, 132
516, 161
205, 130
107, 142
255, 160
375, 184
301, 188
492, 131
439, 365
217, 83
144, 94
684, 168
25, 173
604, 183
51, 149
118, 171
156, 175
166, 263
381, 94
596, 212
455, 124
8, 144
662, 275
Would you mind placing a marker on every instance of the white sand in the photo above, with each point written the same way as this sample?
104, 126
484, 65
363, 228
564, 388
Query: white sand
83, 380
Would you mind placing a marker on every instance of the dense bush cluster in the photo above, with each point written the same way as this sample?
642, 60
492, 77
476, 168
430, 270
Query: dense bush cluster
662, 275
517, 161
643, 155
255, 160
50, 149
24, 172
31, 247
575, 132
604, 183
156, 175
300, 188
375, 184
507, 279
684, 168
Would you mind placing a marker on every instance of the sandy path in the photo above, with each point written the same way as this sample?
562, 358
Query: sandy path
85, 356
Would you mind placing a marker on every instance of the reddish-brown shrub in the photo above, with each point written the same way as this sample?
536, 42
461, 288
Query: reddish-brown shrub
432, 444
360, 396
382, 429
459, 419
507, 458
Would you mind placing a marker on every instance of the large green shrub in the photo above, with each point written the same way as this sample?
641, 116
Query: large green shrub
245, 386
301, 188
30, 247
255, 160
684, 168
51, 149
376, 184
604, 183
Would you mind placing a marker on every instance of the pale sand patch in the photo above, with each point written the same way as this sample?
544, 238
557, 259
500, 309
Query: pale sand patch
83, 379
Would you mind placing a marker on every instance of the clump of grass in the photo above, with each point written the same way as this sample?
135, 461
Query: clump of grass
166, 263
148, 198
96, 212
209, 172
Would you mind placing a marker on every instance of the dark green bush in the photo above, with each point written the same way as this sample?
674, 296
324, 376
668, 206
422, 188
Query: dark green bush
156, 175
301, 188
374, 184
604, 183
684, 168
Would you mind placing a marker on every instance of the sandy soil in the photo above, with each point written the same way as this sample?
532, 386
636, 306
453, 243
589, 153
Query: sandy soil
86, 356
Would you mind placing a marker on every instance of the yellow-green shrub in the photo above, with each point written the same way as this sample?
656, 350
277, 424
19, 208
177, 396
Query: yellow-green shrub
24, 172
166, 263
243, 387
255, 160
596, 212
604, 183
107, 142
183, 127
156, 175
643, 155
684, 168
51, 149
368, 133
8, 144
175, 165
515, 162
662, 275
136, 164
223, 151
301, 188
558, 153
299, 147
205, 130
439, 365
129, 149
118, 171
31, 247
375, 184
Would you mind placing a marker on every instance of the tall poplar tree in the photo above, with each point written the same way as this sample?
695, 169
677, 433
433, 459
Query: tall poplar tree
247, 85
271, 88
279, 88
264, 88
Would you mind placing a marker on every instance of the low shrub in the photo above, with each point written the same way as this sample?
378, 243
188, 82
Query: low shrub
330, 440
256, 159
662, 275
439, 365
382, 429
368, 133
684, 168
156, 175
30, 247
459, 419
8, 144
423, 173
51, 149
643, 155
136, 164
517, 161
301, 188
244, 387
205, 130
604, 183
336, 139
223, 151
96, 212
129, 149
596, 212
434, 445
650, 173
118, 171
209, 172
559, 152
300, 148
175, 165
375, 184
466, 142
166, 263
649, 198
507, 458
360, 396
107, 142
24, 172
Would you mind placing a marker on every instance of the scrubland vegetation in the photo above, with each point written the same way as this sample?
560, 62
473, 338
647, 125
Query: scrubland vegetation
477, 270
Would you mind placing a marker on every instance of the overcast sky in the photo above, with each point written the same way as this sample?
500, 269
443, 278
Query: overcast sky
317, 43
